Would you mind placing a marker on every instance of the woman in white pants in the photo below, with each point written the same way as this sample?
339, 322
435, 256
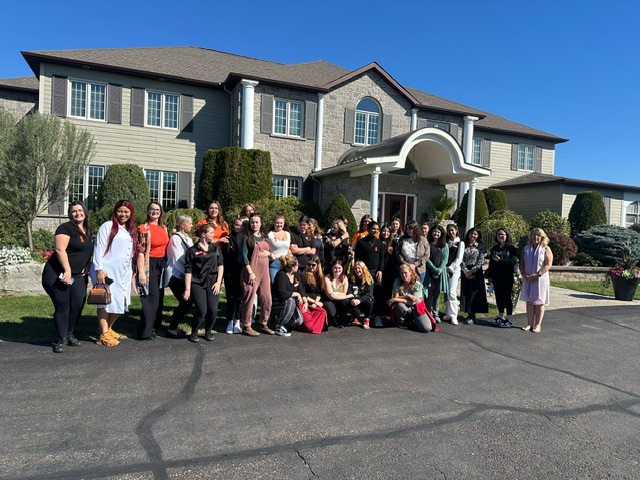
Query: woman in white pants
456, 250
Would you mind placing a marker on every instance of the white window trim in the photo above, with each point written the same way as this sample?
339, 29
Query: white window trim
367, 123
161, 186
479, 151
409, 215
85, 183
288, 118
533, 160
87, 115
162, 109
286, 179
627, 213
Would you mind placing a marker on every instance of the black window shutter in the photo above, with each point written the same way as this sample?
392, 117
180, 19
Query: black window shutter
514, 156
114, 105
59, 94
266, 114
310, 109
422, 123
537, 160
184, 189
387, 120
137, 107
485, 153
349, 125
186, 113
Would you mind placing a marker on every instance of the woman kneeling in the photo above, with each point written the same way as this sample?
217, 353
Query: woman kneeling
408, 301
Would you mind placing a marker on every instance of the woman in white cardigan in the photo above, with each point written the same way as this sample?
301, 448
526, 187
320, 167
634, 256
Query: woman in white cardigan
456, 250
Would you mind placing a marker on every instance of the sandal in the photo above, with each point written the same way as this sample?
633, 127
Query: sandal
108, 340
526, 329
536, 329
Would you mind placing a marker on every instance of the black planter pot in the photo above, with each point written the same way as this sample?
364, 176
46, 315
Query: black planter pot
624, 289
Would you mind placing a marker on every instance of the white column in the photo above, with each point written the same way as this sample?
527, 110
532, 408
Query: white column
414, 119
246, 128
319, 130
471, 204
375, 177
467, 150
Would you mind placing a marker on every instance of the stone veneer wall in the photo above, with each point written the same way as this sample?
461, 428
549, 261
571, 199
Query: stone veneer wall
18, 103
24, 279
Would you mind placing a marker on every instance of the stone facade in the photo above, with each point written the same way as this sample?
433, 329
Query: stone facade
17, 102
24, 279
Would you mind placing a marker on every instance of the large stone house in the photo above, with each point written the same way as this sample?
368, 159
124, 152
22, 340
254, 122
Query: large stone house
388, 148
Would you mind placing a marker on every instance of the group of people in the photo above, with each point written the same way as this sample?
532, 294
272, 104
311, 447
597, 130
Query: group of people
296, 278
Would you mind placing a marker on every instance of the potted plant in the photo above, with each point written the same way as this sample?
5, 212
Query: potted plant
624, 277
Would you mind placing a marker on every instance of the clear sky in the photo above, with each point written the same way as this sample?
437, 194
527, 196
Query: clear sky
567, 67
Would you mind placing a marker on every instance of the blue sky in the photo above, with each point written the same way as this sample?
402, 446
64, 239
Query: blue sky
567, 67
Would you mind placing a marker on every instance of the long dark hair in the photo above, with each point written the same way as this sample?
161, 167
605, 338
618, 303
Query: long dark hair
130, 226
251, 239
507, 232
86, 224
467, 242
161, 218
219, 221
442, 241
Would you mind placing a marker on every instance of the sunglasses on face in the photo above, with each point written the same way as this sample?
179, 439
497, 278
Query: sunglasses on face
312, 264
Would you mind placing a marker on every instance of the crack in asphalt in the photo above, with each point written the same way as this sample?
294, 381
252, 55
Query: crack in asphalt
145, 427
306, 463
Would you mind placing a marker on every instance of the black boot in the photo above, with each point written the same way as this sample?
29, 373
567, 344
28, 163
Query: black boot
72, 341
60, 347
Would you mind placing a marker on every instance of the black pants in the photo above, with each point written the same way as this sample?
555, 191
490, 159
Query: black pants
206, 307
152, 304
177, 288
433, 295
336, 308
365, 307
68, 300
502, 287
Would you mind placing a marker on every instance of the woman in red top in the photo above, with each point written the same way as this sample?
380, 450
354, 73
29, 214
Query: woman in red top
217, 221
152, 246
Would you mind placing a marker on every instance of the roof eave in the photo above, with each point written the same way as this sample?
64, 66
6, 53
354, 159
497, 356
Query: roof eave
233, 78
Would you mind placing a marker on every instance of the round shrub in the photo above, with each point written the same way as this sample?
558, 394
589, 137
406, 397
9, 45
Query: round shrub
562, 247
605, 243
585, 260
516, 224
496, 200
587, 211
123, 181
635, 227
44, 239
551, 222
481, 213
339, 206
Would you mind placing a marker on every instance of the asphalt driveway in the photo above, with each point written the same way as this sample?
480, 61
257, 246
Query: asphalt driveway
467, 402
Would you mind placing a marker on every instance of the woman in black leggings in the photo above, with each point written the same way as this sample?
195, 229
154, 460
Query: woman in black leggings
64, 277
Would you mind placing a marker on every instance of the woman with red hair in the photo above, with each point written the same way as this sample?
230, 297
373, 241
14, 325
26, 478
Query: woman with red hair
115, 249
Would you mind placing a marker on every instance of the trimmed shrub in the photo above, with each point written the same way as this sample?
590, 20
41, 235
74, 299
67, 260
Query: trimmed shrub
635, 227
122, 181
516, 224
496, 200
44, 239
551, 222
339, 206
562, 247
605, 243
481, 213
587, 211
235, 176
585, 260
195, 213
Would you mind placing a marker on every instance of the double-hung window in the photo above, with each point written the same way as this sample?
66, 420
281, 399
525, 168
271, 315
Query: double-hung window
476, 158
525, 157
162, 109
287, 118
163, 188
87, 100
367, 122
632, 214
286, 187
84, 185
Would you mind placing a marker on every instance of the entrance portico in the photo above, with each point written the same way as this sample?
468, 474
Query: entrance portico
429, 153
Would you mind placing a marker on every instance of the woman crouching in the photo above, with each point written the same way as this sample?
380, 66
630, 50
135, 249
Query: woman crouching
408, 301
286, 297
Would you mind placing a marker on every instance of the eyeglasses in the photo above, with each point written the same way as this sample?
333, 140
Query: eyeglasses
155, 210
312, 264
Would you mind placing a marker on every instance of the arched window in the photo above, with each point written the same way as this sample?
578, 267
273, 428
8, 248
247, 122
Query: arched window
367, 124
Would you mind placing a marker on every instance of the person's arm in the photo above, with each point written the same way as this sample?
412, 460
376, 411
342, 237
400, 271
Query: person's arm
378, 272
62, 242
282, 287
187, 286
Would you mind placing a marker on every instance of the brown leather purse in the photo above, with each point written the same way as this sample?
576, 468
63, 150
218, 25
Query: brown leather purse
99, 295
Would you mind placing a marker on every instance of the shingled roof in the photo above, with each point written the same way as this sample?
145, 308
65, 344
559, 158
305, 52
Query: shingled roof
208, 67
537, 179
20, 83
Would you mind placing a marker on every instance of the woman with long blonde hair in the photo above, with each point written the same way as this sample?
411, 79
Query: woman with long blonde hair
535, 264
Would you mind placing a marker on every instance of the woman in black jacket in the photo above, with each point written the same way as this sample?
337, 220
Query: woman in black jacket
502, 261
361, 286
286, 296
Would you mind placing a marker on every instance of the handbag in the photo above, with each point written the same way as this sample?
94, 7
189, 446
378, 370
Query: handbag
99, 295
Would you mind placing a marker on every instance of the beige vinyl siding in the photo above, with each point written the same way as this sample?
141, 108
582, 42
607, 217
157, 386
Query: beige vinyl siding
528, 201
616, 212
500, 158
149, 147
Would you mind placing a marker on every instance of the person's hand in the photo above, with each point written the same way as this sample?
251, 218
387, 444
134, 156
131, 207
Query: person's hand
66, 277
187, 294
468, 274
142, 278
378, 276
252, 278
355, 302
449, 271
216, 288
101, 276
224, 239
496, 258
413, 267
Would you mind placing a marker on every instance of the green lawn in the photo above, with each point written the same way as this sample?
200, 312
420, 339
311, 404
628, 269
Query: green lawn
596, 287
30, 318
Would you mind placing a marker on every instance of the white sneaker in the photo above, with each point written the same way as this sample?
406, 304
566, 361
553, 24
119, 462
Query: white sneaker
377, 322
230, 328
236, 328
446, 318
282, 332
454, 321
